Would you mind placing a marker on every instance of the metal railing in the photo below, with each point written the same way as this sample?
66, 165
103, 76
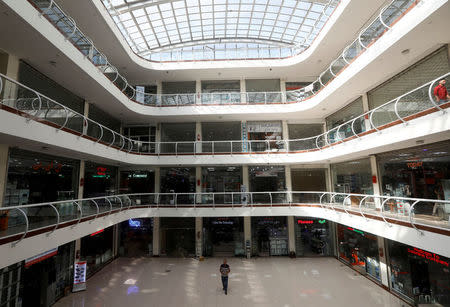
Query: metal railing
47, 217
387, 17
27, 102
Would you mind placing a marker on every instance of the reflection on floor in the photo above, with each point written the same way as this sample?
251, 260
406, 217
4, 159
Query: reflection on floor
256, 282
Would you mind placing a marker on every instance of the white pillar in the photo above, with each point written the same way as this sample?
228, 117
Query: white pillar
4, 152
115, 243
77, 249
198, 137
383, 261
375, 179
291, 233
81, 179
285, 133
156, 236
243, 91
283, 90
329, 178
157, 179
198, 91
158, 92
86, 114
198, 184
245, 177
12, 71
287, 174
365, 102
198, 236
158, 138
248, 232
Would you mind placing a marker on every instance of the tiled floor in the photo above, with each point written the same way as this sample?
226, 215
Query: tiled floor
258, 282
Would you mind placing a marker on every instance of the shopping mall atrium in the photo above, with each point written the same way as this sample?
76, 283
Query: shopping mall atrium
143, 143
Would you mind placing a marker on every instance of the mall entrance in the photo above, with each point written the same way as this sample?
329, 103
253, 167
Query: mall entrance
178, 236
223, 236
269, 236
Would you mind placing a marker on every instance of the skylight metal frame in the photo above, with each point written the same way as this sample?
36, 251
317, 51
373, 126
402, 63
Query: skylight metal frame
177, 26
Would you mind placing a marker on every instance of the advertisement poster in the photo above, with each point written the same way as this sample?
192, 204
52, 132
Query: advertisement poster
79, 276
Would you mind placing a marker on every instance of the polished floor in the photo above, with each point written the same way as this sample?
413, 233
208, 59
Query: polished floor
258, 282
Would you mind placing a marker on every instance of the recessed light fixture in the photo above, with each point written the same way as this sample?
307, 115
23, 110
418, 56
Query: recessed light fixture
405, 51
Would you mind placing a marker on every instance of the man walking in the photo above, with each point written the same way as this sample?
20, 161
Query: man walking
224, 271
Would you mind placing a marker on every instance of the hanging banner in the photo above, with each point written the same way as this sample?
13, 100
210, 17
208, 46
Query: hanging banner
79, 276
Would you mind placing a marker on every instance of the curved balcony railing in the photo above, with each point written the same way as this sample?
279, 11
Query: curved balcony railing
387, 17
22, 100
420, 214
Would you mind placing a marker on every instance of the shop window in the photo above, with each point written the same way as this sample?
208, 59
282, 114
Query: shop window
269, 236
350, 111
216, 131
265, 136
136, 237
178, 236
171, 133
182, 87
144, 137
99, 180
221, 92
223, 236
35, 178
96, 249
360, 250
419, 275
313, 237
267, 179
10, 279
352, 177
307, 180
418, 172
137, 182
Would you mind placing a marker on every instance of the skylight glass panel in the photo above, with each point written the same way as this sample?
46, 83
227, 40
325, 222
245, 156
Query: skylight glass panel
171, 29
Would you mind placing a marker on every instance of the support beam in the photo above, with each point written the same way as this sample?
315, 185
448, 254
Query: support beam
243, 91
287, 174
383, 261
156, 237
365, 102
198, 184
81, 179
248, 232
291, 234
376, 184
4, 152
198, 236
157, 179
283, 90
198, 136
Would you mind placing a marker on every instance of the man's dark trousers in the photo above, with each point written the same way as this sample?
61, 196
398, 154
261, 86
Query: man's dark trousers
225, 283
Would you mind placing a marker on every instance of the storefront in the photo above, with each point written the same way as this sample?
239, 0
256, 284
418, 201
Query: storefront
100, 180
360, 250
217, 132
177, 138
340, 118
223, 236
419, 172
267, 179
269, 236
136, 237
301, 136
216, 179
36, 178
307, 180
97, 249
137, 182
352, 177
221, 91
177, 180
177, 236
265, 136
313, 237
48, 276
419, 275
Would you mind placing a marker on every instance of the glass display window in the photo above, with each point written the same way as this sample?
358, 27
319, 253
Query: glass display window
100, 180
136, 237
360, 250
421, 276
223, 236
36, 178
266, 136
267, 179
97, 249
137, 182
352, 177
270, 236
313, 237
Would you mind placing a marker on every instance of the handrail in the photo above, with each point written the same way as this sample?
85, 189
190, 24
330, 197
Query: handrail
154, 98
332, 136
221, 199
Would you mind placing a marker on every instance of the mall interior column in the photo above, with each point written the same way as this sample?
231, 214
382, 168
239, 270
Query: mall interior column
383, 261
199, 137
156, 236
287, 174
243, 91
291, 233
80, 196
115, 243
283, 90
198, 91
247, 232
4, 149
158, 91
198, 184
12, 71
198, 236
365, 101
86, 114
375, 179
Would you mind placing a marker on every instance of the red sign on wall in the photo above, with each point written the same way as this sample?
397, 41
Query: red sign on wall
101, 171
427, 255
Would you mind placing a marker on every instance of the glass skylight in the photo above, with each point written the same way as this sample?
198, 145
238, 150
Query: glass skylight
180, 30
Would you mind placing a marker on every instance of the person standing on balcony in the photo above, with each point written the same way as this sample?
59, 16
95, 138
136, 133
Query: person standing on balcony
224, 271
440, 92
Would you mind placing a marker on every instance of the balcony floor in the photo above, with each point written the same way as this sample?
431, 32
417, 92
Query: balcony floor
257, 282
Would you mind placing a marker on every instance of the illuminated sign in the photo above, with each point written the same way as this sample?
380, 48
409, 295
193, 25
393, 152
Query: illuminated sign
414, 164
101, 171
55, 167
134, 223
97, 232
302, 222
137, 176
356, 230
427, 255
322, 221
41, 257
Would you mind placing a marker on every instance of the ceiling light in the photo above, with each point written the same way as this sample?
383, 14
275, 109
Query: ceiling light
406, 51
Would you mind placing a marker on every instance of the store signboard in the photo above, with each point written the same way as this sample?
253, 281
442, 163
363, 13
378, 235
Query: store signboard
264, 127
79, 276
244, 137
304, 222
41, 257
427, 255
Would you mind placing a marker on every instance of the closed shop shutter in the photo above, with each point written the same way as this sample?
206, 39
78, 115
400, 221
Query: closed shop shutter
427, 69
